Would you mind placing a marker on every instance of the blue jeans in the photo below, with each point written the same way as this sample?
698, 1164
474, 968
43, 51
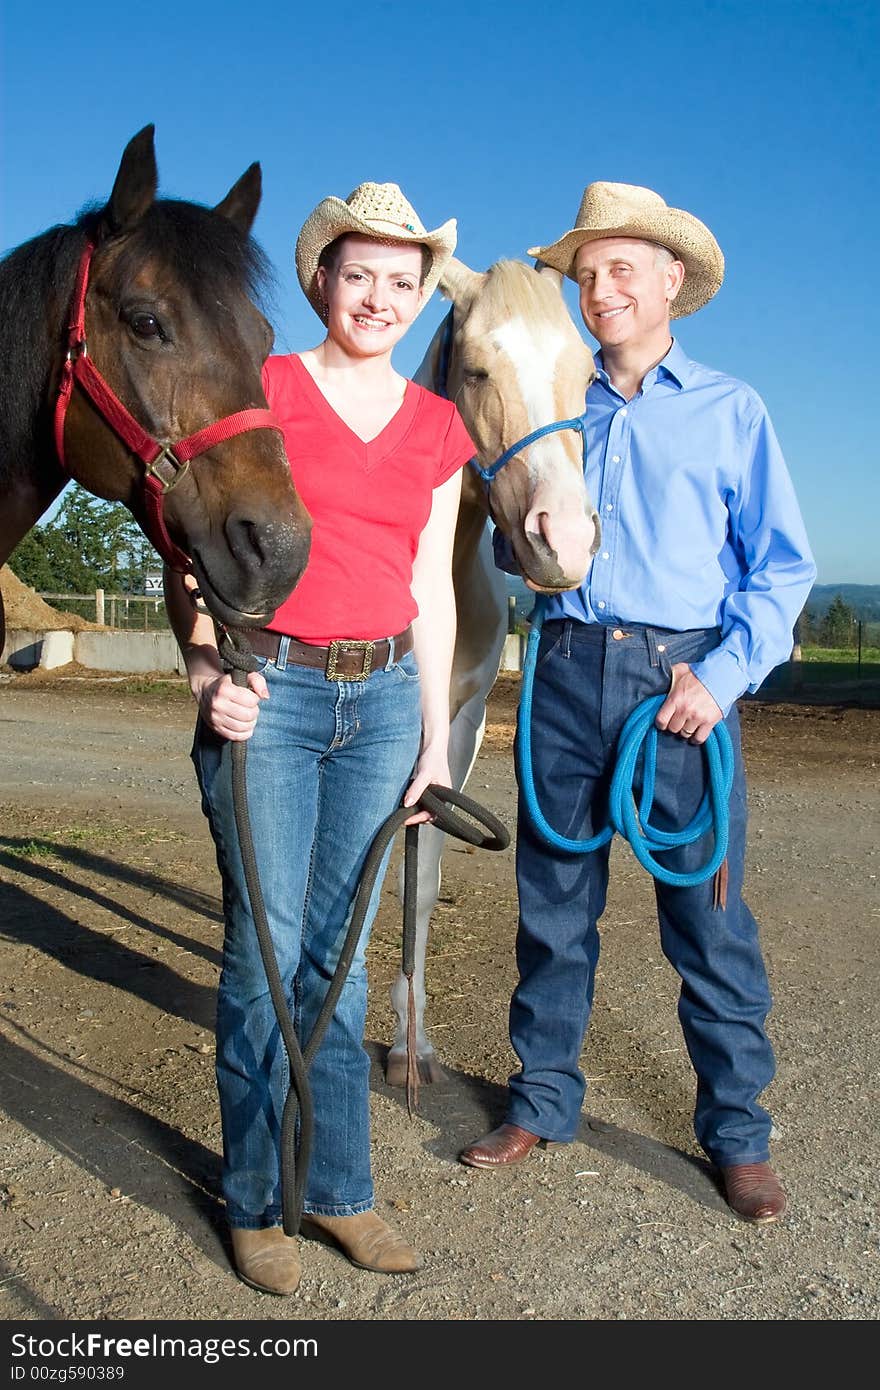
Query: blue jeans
327, 764
587, 681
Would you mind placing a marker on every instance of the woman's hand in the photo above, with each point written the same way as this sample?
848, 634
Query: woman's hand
432, 767
229, 709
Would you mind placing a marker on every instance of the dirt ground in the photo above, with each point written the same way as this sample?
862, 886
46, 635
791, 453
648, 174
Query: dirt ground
109, 956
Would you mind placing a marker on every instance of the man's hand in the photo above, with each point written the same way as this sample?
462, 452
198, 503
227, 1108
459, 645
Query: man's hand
688, 710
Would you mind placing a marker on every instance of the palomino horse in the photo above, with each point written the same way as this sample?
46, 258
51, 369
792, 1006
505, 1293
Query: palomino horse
514, 363
130, 346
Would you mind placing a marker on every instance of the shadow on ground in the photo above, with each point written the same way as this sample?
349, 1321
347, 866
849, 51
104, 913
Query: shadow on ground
462, 1107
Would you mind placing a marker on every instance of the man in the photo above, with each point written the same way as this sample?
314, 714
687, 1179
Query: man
702, 571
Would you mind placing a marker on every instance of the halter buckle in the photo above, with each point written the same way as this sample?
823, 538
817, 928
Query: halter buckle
167, 468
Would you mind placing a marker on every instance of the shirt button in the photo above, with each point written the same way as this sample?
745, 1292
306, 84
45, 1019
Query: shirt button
617, 634
661, 646
601, 603
606, 555
615, 458
609, 506
623, 413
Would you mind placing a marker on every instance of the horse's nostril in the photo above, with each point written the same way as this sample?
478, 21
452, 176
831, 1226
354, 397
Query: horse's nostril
248, 541
275, 547
254, 541
539, 543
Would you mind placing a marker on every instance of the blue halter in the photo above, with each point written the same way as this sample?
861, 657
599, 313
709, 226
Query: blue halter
490, 473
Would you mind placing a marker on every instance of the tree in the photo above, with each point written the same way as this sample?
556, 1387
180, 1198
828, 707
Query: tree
805, 631
89, 544
838, 627
48, 562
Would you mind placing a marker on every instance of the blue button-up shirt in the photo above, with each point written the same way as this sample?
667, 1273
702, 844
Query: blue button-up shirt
700, 524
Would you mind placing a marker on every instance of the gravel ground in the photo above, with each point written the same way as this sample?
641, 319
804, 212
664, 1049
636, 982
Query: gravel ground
111, 936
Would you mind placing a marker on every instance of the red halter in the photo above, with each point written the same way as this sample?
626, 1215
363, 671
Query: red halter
165, 464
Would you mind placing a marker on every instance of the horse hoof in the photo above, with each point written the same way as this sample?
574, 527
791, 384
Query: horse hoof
430, 1070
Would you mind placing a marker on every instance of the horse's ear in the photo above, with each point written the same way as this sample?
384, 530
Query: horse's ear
241, 202
458, 282
550, 273
136, 182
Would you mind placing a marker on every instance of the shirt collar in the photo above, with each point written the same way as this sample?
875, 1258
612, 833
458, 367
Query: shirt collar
675, 365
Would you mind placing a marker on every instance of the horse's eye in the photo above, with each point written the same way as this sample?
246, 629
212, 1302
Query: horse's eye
146, 326
475, 374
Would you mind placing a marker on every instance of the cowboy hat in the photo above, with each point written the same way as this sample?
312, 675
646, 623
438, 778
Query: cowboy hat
624, 209
375, 210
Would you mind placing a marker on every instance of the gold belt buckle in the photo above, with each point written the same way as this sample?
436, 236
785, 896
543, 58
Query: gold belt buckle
337, 649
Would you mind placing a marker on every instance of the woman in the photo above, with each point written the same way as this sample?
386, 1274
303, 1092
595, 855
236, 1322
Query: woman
348, 714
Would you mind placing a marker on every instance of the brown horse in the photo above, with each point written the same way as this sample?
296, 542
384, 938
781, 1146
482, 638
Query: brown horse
140, 320
514, 363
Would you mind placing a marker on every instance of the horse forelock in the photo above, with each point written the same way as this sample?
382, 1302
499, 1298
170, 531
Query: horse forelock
198, 248
515, 288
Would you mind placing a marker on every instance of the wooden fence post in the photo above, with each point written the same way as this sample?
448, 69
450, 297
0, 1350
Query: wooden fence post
99, 607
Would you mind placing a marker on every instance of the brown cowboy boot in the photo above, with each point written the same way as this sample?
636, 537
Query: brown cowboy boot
754, 1192
506, 1144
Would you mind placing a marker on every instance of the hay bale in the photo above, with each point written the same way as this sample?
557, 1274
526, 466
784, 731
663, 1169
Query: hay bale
25, 609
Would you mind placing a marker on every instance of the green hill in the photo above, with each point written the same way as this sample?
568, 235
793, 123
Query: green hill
863, 599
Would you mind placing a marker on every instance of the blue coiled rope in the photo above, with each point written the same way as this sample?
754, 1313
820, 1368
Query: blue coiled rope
638, 739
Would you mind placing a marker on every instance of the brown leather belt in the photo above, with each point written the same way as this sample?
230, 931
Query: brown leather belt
345, 660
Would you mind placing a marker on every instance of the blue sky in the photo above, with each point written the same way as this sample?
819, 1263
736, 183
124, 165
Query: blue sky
761, 119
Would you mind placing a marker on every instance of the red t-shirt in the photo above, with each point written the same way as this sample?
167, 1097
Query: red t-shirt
369, 503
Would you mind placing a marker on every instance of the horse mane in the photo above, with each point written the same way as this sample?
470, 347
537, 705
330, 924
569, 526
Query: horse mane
34, 276
203, 249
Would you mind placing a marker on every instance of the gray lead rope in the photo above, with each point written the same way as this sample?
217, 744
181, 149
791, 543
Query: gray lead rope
237, 656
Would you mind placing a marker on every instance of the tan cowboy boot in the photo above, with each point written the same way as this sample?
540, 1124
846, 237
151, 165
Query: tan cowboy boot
268, 1260
367, 1240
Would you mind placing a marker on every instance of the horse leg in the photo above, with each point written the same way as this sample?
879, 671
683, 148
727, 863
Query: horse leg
465, 737
481, 599
431, 842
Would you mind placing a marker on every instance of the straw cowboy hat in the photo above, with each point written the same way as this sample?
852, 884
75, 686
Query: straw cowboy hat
376, 210
624, 209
